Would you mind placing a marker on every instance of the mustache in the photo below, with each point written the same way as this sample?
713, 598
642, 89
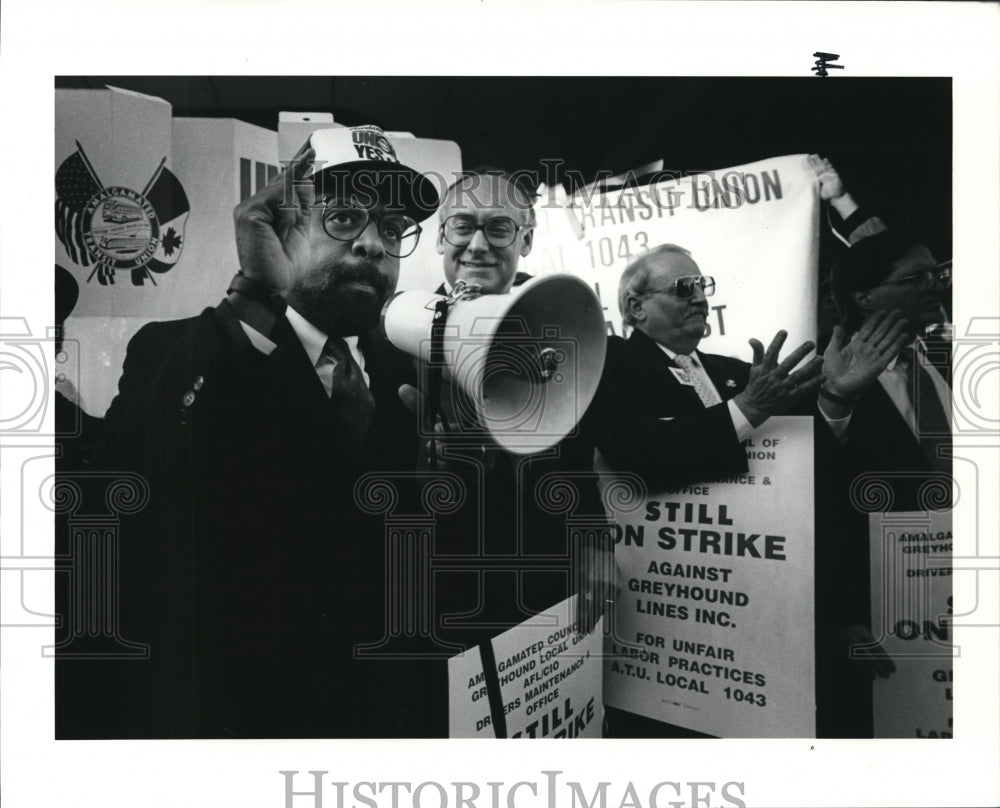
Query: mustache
699, 308
363, 271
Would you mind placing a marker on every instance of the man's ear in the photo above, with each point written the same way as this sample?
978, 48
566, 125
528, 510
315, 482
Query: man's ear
526, 241
440, 241
863, 300
633, 305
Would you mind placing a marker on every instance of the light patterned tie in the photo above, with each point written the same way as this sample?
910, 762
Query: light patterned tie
709, 395
349, 394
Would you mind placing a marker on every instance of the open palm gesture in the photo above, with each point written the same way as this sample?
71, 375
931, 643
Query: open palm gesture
851, 365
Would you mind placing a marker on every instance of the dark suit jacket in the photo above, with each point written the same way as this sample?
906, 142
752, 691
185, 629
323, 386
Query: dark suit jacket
658, 427
881, 446
252, 573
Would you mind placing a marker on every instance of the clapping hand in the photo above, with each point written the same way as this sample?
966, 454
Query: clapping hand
851, 365
773, 387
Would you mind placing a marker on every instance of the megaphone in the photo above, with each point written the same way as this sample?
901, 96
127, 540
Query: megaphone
528, 362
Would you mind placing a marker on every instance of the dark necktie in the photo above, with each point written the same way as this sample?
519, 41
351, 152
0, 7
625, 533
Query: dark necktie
350, 395
933, 428
937, 348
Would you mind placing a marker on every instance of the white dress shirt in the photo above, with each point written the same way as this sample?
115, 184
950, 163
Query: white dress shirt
313, 341
897, 387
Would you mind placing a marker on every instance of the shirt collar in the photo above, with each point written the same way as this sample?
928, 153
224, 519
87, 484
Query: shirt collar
312, 339
919, 344
916, 346
673, 354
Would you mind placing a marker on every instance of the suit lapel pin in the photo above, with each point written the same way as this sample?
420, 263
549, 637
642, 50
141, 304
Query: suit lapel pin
730, 383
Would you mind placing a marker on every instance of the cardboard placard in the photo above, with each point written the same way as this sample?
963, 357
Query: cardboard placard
911, 556
714, 628
549, 681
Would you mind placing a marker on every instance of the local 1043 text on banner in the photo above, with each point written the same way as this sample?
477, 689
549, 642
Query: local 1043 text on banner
714, 627
546, 679
754, 228
911, 569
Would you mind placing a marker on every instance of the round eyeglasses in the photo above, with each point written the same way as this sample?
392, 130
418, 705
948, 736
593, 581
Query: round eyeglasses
684, 287
399, 233
499, 231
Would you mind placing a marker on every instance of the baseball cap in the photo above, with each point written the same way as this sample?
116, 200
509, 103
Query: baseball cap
362, 160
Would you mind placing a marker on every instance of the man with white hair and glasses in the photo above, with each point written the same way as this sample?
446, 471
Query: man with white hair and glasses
680, 415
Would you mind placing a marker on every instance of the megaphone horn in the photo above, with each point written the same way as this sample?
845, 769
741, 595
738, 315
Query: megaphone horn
529, 362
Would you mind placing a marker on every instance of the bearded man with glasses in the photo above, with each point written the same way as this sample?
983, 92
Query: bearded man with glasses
672, 413
252, 575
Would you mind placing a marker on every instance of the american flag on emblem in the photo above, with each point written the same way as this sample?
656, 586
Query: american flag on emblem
75, 186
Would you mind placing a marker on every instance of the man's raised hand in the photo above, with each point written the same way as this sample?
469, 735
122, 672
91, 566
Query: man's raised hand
272, 226
849, 368
773, 387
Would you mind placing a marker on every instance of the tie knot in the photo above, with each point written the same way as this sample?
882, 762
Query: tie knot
336, 348
906, 356
942, 332
698, 379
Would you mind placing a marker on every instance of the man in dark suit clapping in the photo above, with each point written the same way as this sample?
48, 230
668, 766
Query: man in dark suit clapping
679, 415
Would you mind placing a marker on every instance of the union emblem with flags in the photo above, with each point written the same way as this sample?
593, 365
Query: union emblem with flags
117, 228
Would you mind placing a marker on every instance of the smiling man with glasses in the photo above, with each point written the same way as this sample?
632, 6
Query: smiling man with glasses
487, 226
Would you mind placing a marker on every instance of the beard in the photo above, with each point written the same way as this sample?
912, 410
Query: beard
343, 299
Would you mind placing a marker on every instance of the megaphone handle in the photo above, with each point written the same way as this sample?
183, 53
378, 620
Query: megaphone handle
435, 375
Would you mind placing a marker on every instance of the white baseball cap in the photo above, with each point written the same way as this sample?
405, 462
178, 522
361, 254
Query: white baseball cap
362, 161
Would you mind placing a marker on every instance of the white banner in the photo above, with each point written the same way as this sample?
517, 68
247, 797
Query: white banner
714, 628
754, 228
911, 572
549, 680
